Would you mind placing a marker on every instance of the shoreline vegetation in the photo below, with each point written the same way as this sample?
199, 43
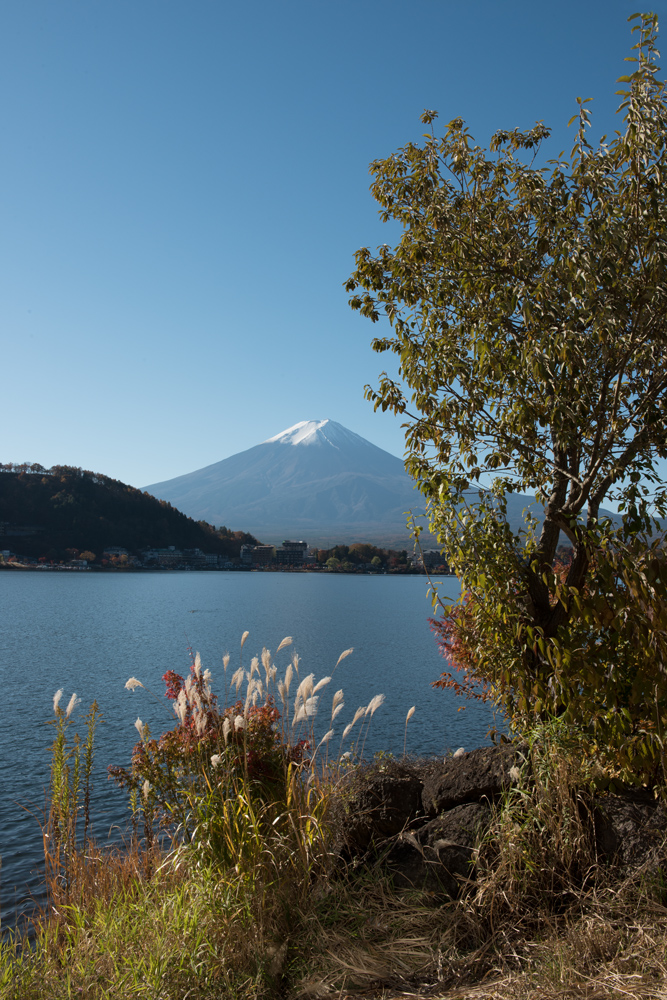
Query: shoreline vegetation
16, 564
237, 880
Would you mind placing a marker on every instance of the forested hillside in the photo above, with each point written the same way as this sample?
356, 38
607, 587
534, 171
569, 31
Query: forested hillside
45, 512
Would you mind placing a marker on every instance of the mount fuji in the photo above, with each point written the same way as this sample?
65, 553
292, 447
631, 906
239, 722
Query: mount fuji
316, 480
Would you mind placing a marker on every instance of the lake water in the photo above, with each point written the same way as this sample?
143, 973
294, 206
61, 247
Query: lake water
89, 632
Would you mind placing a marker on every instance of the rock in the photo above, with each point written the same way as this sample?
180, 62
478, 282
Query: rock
463, 826
424, 819
482, 773
438, 856
381, 806
628, 827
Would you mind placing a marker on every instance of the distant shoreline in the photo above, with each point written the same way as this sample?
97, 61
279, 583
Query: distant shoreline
21, 567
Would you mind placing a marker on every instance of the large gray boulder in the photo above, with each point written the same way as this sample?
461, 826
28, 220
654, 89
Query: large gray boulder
481, 774
381, 802
379, 806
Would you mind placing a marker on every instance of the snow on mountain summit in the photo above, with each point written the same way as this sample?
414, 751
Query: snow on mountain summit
317, 432
305, 432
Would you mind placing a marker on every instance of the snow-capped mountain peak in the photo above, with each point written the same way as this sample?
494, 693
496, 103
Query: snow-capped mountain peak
305, 432
324, 433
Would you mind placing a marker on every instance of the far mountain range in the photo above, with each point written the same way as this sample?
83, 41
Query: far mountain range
316, 480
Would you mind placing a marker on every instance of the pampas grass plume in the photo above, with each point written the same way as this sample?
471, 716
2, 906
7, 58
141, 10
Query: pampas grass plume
305, 688
253, 693
337, 704
303, 693
337, 710
374, 704
243, 638
181, 706
360, 712
411, 712
325, 738
71, 705
308, 710
346, 652
56, 698
282, 691
287, 641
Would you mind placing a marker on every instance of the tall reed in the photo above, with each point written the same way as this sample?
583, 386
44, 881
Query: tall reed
70, 790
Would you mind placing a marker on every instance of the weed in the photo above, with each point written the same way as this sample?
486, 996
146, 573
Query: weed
71, 775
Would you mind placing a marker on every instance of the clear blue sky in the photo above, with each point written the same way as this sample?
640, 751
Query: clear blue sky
184, 185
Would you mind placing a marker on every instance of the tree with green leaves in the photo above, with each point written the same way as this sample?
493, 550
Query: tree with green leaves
527, 306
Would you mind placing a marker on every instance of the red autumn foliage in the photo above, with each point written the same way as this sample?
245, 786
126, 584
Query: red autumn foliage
254, 749
454, 635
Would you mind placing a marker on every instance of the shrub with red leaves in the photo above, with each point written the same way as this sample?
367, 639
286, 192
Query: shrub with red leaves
455, 636
207, 749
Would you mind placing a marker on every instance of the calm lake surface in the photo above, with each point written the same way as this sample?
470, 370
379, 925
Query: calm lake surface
89, 632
